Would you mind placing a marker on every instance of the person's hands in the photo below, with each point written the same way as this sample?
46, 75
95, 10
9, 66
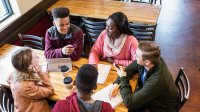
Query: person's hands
114, 91
95, 66
110, 60
69, 49
120, 70
38, 69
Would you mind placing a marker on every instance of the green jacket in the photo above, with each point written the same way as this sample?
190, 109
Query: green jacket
159, 92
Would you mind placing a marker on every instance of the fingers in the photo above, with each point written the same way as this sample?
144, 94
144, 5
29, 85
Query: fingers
120, 70
69, 46
95, 66
68, 49
37, 69
117, 68
110, 60
114, 91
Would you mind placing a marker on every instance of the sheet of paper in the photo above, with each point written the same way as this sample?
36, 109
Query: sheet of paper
103, 95
103, 71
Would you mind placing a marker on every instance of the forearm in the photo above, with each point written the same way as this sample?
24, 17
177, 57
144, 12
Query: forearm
54, 53
127, 94
93, 58
123, 62
46, 82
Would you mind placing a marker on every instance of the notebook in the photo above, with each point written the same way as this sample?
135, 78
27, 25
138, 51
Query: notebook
103, 95
103, 71
53, 65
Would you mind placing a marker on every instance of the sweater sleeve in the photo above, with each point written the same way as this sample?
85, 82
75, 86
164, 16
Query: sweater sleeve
140, 98
34, 91
50, 51
96, 50
131, 49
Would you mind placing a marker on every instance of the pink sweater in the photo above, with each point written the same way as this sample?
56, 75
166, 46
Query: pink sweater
124, 58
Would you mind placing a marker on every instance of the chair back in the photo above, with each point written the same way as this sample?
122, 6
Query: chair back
183, 86
93, 28
143, 31
32, 41
6, 99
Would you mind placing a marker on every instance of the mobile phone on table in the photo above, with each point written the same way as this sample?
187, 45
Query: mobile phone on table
117, 66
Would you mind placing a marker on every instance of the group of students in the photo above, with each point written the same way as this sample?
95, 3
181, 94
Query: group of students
155, 92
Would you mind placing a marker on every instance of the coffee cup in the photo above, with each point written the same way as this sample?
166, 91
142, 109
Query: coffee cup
68, 81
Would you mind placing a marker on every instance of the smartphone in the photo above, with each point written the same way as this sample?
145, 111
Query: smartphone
117, 66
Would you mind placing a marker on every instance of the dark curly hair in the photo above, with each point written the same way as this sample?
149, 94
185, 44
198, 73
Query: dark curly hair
60, 12
86, 78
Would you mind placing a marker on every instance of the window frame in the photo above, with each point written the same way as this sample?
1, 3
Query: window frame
8, 9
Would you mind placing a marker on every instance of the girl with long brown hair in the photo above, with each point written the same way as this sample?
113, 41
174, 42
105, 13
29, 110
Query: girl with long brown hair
29, 84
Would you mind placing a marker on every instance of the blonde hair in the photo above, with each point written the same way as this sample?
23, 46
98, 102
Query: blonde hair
21, 60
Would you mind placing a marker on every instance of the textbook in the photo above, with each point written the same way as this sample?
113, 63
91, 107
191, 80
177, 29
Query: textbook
103, 95
103, 71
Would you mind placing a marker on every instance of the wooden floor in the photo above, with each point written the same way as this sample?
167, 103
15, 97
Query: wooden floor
178, 34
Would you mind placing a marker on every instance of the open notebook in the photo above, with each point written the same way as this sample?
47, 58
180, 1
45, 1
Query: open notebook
103, 71
103, 95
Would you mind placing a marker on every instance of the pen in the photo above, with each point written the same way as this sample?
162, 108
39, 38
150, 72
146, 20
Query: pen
75, 66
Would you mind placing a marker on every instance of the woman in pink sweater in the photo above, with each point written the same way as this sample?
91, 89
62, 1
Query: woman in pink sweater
116, 44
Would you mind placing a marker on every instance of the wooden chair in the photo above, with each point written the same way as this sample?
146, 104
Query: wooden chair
6, 99
155, 2
143, 31
83, 54
93, 28
183, 86
32, 41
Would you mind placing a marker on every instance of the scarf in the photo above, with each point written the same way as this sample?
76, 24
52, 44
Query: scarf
113, 47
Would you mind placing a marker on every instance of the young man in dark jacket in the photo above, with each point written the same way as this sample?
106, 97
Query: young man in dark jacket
63, 40
86, 81
156, 89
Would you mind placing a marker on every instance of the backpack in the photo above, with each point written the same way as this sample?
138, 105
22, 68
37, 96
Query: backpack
96, 108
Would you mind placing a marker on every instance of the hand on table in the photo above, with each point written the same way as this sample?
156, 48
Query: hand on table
120, 70
69, 49
110, 60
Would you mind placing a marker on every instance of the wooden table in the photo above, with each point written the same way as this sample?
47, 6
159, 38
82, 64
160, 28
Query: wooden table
56, 78
136, 12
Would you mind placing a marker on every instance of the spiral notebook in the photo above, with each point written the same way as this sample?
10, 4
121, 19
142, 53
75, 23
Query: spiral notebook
103, 95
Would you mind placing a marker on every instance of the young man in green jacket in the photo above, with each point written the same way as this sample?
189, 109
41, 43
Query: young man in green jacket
156, 90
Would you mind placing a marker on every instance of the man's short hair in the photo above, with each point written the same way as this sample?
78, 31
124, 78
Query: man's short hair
86, 78
60, 12
150, 51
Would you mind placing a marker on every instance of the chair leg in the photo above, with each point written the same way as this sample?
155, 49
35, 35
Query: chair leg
83, 53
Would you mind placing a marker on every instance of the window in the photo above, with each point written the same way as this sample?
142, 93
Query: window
5, 10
